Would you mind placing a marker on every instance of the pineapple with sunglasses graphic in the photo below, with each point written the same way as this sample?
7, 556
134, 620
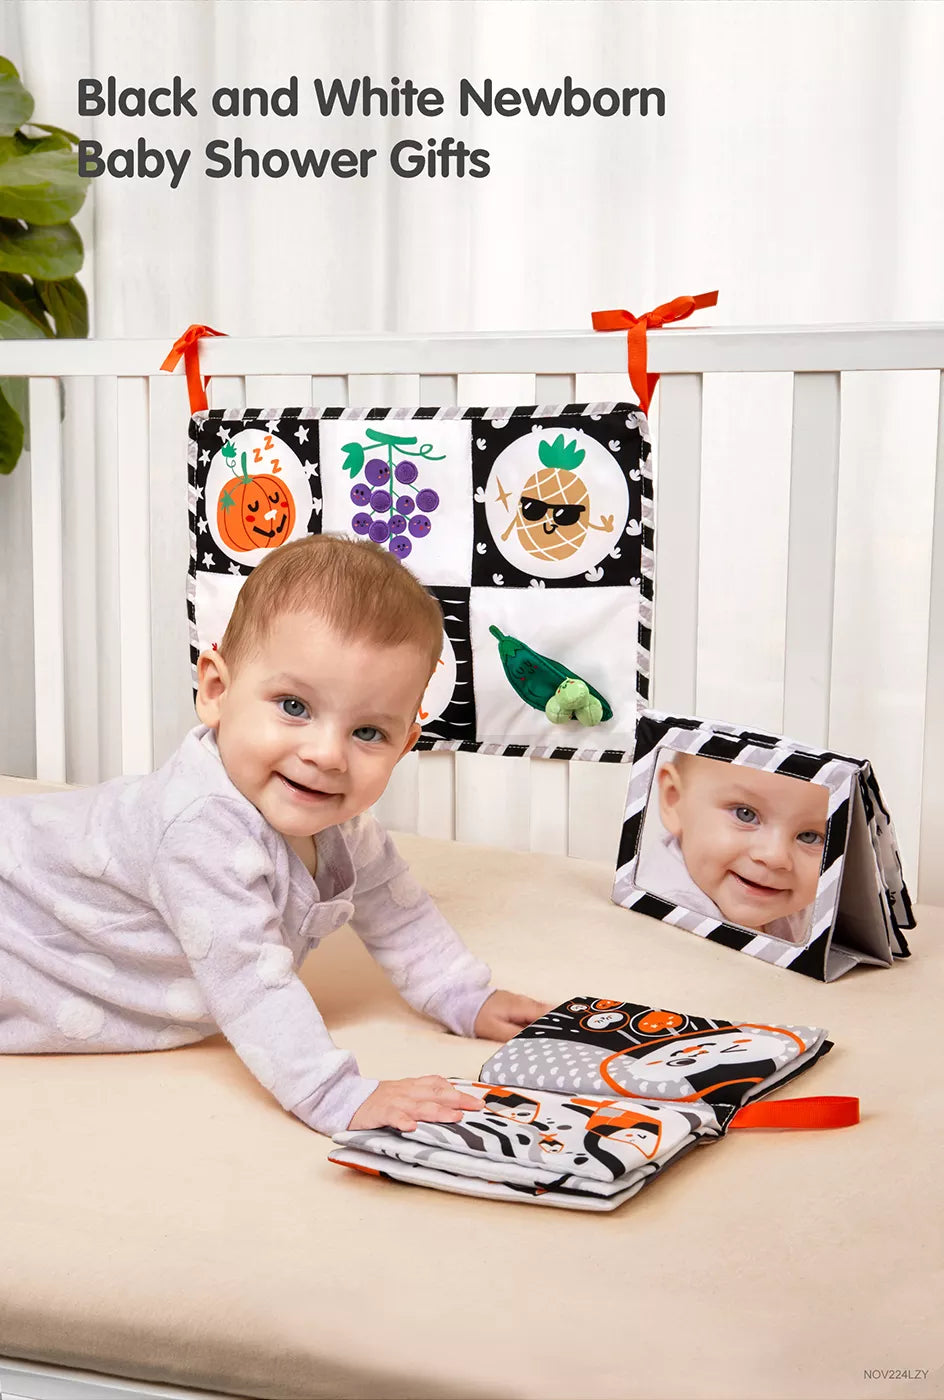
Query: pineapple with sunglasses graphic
553, 514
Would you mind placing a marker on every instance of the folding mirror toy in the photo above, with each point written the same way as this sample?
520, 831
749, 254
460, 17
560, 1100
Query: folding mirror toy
783, 852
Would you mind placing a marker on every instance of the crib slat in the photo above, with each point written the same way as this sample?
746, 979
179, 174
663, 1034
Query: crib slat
492, 801
80, 532
48, 633
678, 512
436, 795
107, 579
134, 576
329, 390
172, 708
597, 800
549, 792
278, 390
930, 866
811, 559
227, 391
398, 805
386, 390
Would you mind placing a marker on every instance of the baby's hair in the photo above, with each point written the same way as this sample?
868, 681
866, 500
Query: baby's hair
355, 587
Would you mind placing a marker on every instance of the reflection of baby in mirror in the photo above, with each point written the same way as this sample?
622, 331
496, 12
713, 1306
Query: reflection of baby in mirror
749, 840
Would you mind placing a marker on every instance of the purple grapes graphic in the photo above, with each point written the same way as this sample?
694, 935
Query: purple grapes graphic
389, 519
377, 472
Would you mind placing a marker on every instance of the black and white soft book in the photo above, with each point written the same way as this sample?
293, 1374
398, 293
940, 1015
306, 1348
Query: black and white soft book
590, 1102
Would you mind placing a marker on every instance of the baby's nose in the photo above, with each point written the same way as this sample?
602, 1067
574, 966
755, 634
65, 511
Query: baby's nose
324, 747
774, 848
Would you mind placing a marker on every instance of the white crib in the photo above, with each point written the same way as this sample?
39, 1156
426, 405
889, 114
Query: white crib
95, 551
103, 502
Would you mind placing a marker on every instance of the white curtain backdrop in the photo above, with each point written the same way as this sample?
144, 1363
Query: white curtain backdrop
799, 168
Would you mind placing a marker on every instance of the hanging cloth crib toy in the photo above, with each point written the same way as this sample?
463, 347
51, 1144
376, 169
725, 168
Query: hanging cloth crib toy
532, 526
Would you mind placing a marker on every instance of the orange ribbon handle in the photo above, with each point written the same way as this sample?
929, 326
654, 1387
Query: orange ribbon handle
187, 345
824, 1111
636, 327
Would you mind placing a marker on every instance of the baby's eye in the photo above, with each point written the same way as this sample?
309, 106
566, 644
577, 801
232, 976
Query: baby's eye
811, 838
747, 815
294, 701
370, 734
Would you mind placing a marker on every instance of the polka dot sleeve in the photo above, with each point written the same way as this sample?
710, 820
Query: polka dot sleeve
422, 953
211, 885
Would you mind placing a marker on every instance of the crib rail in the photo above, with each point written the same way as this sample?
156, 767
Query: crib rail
103, 503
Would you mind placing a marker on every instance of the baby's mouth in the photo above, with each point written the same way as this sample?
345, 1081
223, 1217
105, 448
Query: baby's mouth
759, 891
307, 793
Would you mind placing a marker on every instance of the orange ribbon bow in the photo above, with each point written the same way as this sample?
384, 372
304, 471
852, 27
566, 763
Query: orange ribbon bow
187, 345
636, 327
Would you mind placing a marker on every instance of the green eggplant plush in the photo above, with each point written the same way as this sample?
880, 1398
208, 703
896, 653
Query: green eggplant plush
536, 678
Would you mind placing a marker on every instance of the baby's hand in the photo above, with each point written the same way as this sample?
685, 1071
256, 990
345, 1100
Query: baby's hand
401, 1103
504, 1014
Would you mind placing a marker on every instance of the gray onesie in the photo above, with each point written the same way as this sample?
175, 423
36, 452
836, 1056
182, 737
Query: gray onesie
151, 912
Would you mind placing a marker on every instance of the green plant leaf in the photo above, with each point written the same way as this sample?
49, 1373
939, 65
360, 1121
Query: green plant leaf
22, 145
42, 188
56, 131
16, 105
20, 310
22, 295
67, 304
11, 436
52, 253
16, 392
27, 145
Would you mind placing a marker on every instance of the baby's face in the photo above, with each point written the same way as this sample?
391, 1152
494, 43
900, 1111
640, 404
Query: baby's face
310, 728
752, 841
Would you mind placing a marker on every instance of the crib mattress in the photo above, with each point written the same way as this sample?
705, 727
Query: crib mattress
164, 1219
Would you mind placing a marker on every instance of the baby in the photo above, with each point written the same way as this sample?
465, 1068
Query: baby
742, 844
151, 912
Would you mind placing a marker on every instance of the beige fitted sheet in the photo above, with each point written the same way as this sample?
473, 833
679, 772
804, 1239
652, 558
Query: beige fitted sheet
164, 1219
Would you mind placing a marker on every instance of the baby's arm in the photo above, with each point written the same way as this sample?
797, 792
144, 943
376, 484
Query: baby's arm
427, 961
209, 885
395, 918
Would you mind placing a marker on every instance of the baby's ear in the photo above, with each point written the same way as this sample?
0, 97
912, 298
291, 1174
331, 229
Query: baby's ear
212, 683
411, 738
670, 790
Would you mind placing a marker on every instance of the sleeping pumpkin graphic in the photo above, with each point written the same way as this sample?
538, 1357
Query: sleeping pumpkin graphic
255, 510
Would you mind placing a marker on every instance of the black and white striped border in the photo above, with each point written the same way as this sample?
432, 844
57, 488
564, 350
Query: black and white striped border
656, 731
248, 416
